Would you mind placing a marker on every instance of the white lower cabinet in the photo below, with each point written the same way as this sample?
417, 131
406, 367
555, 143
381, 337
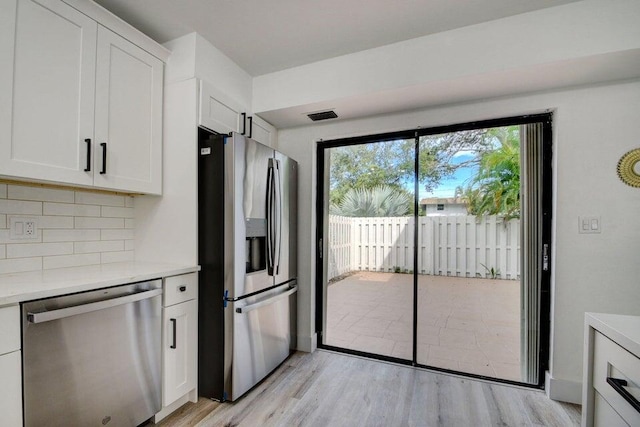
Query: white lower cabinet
180, 337
180, 352
10, 367
11, 389
611, 380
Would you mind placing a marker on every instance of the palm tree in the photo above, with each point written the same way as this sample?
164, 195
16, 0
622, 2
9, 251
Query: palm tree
379, 201
495, 189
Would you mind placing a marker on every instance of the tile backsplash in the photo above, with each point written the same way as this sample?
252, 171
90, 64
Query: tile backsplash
74, 228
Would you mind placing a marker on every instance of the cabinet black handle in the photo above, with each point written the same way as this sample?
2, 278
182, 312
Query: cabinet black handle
244, 123
182, 288
175, 331
618, 385
104, 158
250, 126
88, 168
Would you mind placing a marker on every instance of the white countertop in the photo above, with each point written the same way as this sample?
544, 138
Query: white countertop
32, 285
622, 329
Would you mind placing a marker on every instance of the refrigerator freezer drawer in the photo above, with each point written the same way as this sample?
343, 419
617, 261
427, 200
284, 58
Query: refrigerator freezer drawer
261, 337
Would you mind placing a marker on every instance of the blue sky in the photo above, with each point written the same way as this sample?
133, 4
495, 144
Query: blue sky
447, 187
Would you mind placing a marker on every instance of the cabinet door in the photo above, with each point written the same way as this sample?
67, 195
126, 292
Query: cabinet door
47, 82
180, 350
219, 113
263, 132
128, 125
11, 389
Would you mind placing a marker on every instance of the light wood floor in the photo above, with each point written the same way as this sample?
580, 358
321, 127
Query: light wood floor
330, 389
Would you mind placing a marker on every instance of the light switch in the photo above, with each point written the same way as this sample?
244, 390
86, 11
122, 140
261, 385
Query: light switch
589, 224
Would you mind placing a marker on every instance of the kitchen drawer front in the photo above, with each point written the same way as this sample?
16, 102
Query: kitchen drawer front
9, 329
611, 360
604, 415
181, 288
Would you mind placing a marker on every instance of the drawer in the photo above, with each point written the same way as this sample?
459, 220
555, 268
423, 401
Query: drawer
181, 288
611, 360
9, 329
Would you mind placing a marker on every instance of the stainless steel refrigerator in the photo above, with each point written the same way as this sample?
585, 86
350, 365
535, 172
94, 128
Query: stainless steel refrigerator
247, 251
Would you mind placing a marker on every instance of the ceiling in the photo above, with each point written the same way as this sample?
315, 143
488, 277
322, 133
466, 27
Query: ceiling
266, 36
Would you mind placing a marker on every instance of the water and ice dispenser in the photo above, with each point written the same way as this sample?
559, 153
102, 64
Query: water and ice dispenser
256, 244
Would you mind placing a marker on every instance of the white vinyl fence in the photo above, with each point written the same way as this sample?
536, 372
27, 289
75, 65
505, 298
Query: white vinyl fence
447, 245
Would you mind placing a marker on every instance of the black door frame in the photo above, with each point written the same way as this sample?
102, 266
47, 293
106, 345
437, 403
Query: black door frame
547, 187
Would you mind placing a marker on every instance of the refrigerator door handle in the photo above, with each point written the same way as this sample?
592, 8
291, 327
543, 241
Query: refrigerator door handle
278, 218
247, 308
270, 243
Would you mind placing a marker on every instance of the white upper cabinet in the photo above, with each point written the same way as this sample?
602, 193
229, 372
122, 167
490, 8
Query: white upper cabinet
219, 113
68, 85
263, 132
47, 73
128, 126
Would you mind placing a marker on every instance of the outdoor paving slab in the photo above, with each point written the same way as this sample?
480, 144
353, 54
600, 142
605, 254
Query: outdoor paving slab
464, 324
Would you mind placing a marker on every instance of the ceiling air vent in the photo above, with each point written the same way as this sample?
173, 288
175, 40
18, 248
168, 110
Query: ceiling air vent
322, 115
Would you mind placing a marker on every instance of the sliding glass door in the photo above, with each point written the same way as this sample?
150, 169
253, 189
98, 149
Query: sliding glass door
368, 284
469, 283
432, 247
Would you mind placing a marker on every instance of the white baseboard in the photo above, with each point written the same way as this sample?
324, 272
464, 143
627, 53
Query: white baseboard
308, 343
562, 390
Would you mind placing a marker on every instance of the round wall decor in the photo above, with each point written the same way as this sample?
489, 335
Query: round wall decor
629, 168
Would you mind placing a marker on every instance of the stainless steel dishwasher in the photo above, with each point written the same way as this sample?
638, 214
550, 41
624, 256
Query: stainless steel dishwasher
93, 358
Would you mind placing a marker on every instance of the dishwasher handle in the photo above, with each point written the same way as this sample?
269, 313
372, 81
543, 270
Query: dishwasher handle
47, 316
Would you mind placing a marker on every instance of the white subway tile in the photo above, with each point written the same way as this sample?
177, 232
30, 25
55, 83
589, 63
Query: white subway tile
99, 246
109, 257
128, 245
20, 207
70, 209
55, 221
3, 191
129, 223
62, 261
113, 212
26, 250
20, 192
116, 235
129, 201
19, 265
3, 221
3, 251
68, 235
82, 222
86, 198
5, 238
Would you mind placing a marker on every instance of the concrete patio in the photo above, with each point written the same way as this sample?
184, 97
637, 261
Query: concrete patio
464, 324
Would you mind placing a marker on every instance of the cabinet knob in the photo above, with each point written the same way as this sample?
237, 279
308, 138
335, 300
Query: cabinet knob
182, 288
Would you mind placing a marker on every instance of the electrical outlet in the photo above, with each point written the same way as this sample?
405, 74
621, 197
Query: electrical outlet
21, 228
30, 228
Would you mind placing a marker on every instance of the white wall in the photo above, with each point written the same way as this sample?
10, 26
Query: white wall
168, 225
193, 56
593, 127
